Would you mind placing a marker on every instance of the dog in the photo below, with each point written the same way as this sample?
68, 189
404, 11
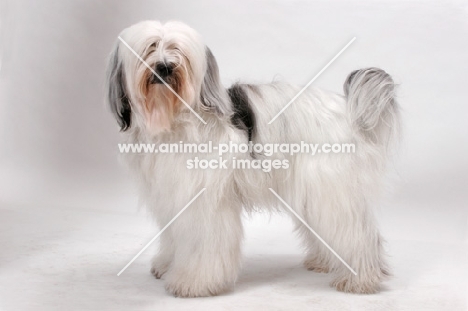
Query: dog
162, 81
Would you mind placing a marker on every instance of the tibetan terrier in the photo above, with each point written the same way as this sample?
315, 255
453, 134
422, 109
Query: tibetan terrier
162, 78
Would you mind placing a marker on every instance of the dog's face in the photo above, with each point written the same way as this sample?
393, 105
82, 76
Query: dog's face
175, 52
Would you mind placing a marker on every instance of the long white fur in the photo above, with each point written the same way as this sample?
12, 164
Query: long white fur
200, 253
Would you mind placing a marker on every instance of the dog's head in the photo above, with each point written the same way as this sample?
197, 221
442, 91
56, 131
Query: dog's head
152, 67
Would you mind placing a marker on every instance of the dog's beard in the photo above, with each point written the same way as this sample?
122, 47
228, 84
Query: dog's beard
160, 108
158, 105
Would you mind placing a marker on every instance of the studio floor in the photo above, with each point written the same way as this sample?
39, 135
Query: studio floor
67, 258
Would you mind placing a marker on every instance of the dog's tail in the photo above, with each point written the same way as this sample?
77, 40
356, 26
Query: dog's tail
372, 106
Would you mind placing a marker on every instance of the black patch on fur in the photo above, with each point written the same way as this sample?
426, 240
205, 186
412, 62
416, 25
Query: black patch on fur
243, 117
125, 109
116, 93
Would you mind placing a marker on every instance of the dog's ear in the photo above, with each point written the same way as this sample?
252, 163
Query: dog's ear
213, 95
116, 93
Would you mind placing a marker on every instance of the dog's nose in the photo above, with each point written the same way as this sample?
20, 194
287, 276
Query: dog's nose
164, 70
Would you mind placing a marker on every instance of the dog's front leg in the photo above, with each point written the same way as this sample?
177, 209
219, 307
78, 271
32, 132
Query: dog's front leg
163, 259
207, 250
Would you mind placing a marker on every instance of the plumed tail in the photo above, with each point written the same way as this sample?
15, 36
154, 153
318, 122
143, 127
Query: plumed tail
372, 106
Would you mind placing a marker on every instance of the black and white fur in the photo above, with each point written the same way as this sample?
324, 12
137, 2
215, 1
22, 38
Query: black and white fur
200, 253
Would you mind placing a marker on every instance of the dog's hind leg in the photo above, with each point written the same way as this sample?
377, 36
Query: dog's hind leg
340, 213
349, 228
358, 241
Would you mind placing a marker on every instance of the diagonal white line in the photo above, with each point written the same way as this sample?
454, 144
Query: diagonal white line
164, 82
160, 232
313, 79
312, 230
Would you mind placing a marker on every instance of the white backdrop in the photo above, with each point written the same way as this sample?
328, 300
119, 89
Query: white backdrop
61, 184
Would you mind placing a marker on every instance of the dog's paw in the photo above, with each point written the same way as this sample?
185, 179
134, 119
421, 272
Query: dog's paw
364, 283
355, 286
159, 268
157, 273
319, 269
315, 265
196, 288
